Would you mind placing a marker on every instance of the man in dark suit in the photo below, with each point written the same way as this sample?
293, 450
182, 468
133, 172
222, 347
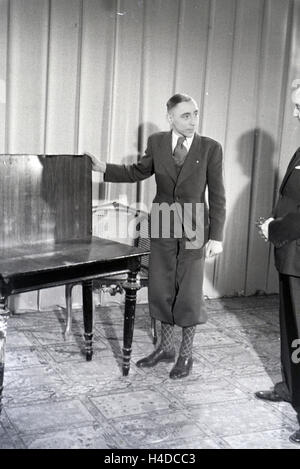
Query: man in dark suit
283, 230
184, 164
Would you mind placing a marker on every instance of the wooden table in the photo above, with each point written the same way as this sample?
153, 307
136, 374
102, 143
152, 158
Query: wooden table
45, 239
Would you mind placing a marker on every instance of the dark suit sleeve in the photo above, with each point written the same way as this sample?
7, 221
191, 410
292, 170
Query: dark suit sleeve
284, 230
131, 173
216, 193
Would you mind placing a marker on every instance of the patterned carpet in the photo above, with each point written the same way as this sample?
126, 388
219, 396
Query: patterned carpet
53, 398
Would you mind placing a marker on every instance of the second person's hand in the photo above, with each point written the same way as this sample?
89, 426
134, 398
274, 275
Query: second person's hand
263, 228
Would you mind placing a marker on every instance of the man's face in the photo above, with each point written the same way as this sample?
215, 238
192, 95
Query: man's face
184, 118
296, 101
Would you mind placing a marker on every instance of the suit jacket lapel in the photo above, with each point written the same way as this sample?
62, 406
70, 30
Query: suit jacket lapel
166, 156
294, 162
192, 159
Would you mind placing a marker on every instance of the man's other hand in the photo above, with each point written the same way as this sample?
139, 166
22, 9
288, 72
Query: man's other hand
97, 164
213, 248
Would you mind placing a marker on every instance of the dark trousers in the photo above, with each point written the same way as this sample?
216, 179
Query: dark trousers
289, 289
176, 282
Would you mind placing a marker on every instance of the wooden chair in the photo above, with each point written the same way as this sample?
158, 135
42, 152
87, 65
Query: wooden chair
113, 283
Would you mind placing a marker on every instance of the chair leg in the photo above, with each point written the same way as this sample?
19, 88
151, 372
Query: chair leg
38, 300
153, 330
68, 295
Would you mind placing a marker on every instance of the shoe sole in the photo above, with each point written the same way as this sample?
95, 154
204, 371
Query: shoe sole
296, 442
270, 400
164, 360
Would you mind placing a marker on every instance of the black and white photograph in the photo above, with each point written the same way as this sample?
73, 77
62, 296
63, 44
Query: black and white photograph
150, 227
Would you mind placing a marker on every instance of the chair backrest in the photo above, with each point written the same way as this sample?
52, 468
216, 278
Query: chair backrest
143, 238
44, 198
107, 218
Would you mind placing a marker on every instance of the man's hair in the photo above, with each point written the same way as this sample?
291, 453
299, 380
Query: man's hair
176, 99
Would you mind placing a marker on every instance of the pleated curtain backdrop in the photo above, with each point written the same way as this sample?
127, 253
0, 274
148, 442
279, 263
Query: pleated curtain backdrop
94, 75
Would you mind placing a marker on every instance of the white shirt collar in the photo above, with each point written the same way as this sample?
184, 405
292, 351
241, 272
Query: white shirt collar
187, 143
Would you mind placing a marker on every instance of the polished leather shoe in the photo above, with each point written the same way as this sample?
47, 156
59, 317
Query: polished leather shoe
159, 355
295, 437
182, 368
270, 396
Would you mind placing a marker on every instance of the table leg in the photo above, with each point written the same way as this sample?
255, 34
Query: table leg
88, 312
4, 314
130, 286
68, 296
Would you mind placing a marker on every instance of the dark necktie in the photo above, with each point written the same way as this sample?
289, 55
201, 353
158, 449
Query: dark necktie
180, 152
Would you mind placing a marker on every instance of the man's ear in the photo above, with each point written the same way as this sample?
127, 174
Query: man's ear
296, 96
296, 92
296, 83
170, 118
